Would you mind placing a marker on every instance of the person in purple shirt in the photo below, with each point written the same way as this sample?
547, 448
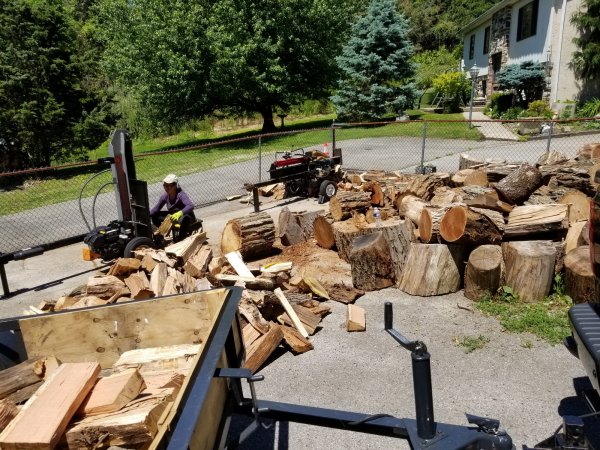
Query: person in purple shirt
179, 207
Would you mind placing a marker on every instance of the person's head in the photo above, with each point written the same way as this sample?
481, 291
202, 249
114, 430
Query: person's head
171, 183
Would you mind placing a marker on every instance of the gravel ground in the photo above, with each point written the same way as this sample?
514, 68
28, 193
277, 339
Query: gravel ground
528, 389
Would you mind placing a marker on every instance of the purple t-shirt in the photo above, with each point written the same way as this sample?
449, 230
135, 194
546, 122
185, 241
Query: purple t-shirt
181, 203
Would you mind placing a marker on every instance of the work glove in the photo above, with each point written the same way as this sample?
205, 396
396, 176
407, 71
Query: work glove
176, 216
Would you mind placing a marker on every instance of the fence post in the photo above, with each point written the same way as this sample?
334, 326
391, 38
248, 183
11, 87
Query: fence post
259, 159
422, 167
333, 138
549, 136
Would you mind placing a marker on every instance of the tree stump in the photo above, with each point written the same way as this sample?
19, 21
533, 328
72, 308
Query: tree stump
323, 232
371, 262
529, 268
344, 203
466, 161
252, 236
462, 225
432, 269
296, 227
517, 186
579, 276
397, 233
484, 272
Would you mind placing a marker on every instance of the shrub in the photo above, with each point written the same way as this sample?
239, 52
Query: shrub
538, 108
527, 80
512, 113
590, 108
500, 102
453, 86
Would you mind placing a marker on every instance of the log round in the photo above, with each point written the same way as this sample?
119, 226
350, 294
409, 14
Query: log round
579, 276
252, 236
371, 262
517, 186
579, 206
432, 269
466, 161
484, 272
529, 268
429, 223
344, 203
410, 206
323, 232
462, 225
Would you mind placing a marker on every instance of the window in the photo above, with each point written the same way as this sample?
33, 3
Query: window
472, 47
486, 41
527, 25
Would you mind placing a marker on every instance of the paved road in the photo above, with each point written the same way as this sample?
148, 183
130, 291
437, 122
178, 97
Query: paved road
55, 222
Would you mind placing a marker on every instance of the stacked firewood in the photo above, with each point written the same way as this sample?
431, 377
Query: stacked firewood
69, 405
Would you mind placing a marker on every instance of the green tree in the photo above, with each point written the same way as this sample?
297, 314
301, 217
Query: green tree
157, 56
527, 80
431, 63
48, 112
272, 54
376, 65
586, 59
454, 86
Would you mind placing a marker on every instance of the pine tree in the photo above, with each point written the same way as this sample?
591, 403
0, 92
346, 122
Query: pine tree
376, 66
587, 58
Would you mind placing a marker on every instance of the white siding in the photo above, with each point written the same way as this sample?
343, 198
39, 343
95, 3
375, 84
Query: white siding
479, 59
533, 48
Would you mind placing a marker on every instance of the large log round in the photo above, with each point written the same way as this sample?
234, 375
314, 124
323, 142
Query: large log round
371, 262
579, 276
343, 204
517, 186
462, 225
484, 272
252, 236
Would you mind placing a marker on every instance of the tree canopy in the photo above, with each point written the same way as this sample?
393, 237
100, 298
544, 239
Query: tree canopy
586, 59
49, 109
376, 65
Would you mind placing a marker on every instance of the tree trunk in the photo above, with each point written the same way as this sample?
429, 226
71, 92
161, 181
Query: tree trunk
520, 184
579, 276
268, 123
411, 207
371, 262
484, 272
252, 235
432, 269
344, 203
296, 227
529, 268
462, 225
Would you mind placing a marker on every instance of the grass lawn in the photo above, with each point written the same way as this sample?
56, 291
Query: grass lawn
65, 184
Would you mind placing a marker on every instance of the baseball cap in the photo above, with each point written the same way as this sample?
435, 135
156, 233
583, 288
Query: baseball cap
170, 179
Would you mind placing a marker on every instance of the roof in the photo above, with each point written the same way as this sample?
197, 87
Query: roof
487, 15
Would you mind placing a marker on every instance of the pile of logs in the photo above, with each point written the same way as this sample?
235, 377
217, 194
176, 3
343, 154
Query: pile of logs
70, 406
487, 225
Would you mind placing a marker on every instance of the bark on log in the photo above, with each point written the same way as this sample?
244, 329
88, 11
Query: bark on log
432, 269
462, 225
496, 217
529, 268
484, 272
518, 186
466, 161
444, 196
344, 203
296, 227
411, 207
252, 235
371, 262
429, 223
374, 188
398, 233
579, 276
534, 219
323, 232
569, 176
489, 200
424, 186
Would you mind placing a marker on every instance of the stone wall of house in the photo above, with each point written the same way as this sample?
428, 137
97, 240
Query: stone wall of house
499, 43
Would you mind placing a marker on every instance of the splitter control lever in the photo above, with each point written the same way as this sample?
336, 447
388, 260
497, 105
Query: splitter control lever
418, 347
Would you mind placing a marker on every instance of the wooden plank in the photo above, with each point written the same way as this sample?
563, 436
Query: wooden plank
112, 393
236, 261
104, 333
290, 312
250, 334
355, 319
294, 340
44, 418
309, 319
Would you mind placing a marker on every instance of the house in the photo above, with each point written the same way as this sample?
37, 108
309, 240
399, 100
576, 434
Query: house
514, 31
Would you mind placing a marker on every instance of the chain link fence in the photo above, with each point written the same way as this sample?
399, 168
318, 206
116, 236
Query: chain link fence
50, 206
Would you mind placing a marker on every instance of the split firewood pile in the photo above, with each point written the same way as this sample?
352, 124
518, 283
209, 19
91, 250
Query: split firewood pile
70, 406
